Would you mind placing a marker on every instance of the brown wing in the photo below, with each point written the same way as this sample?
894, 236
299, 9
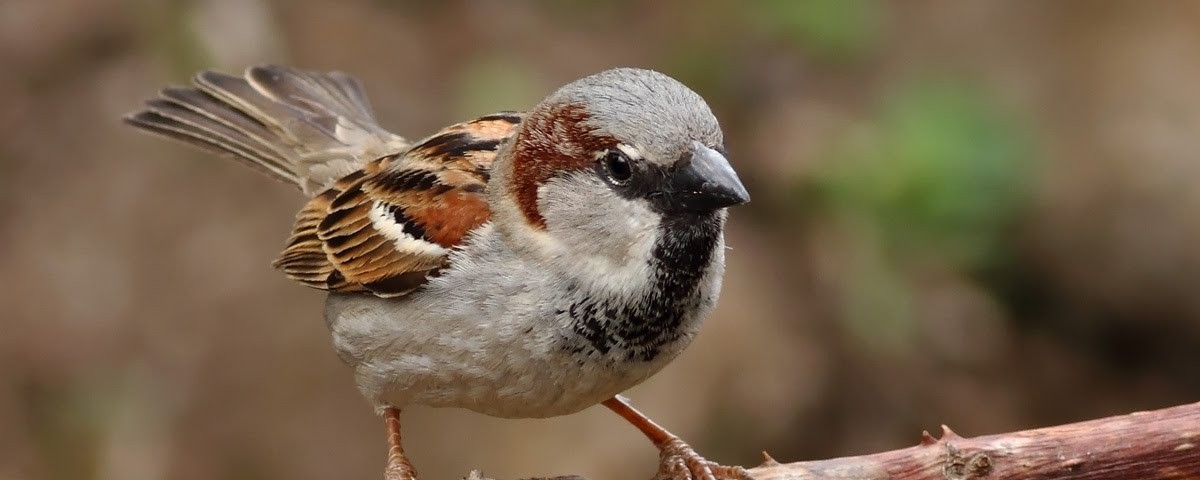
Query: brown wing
385, 228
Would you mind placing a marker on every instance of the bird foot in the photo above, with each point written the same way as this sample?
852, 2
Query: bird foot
396, 471
398, 467
680, 462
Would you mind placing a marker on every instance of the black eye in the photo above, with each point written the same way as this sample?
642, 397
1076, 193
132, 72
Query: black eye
617, 164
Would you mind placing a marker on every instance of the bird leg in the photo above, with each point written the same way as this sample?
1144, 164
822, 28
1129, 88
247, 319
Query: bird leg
678, 461
398, 467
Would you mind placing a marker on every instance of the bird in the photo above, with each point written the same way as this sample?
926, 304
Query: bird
519, 265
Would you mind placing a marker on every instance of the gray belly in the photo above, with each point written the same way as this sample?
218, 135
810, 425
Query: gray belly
552, 385
512, 367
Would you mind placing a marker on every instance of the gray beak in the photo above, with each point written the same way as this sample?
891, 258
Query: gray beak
701, 181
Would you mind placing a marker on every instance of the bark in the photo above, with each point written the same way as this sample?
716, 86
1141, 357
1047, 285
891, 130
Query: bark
1159, 444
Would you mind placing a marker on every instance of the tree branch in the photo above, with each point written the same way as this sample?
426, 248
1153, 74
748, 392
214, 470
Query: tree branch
1159, 444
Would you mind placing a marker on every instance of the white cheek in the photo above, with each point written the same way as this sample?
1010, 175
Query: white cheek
623, 265
643, 224
597, 237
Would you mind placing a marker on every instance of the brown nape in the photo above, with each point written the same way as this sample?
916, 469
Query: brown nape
552, 141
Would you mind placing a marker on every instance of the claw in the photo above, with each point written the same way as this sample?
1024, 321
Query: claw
677, 460
681, 462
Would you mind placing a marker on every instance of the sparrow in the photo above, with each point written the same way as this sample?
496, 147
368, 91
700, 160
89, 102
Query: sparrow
520, 265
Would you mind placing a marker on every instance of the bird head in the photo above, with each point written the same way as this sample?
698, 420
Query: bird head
600, 169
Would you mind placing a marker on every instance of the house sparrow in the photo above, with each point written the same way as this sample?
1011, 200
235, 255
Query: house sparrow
518, 265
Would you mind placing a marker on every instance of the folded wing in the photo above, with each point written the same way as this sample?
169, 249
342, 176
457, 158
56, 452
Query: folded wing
388, 226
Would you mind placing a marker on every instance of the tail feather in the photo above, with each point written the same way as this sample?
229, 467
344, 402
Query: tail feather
193, 120
156, 123
204, 104
333, 94
302, 131
304, 128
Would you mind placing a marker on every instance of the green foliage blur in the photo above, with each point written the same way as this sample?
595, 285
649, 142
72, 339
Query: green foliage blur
832, 29
938, 176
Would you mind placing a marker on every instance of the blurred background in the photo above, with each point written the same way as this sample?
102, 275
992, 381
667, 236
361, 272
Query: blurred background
977, 213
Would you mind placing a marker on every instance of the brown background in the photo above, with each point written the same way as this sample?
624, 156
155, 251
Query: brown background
979, 213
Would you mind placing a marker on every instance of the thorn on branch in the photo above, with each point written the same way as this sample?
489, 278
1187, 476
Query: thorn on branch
927, 439
768, 460
948, 434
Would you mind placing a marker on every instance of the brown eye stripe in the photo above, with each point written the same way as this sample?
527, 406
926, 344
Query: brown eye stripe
553, 142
